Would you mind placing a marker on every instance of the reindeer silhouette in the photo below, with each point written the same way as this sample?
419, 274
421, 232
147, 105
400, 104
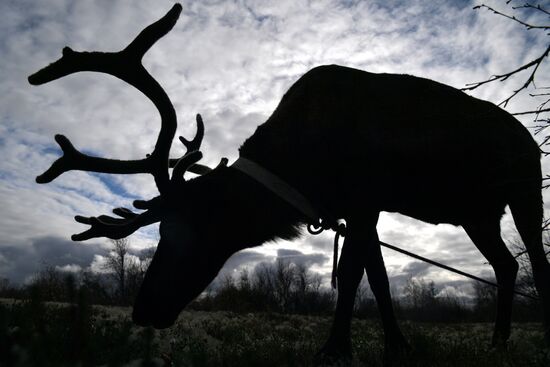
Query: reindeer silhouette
343, 143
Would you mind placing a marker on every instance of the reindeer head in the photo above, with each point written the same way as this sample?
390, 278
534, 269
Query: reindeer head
178, 255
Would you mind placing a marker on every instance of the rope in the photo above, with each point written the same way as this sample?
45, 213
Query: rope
451, 269
340, 231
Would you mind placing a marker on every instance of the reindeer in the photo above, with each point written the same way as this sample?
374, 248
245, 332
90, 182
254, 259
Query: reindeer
400, 144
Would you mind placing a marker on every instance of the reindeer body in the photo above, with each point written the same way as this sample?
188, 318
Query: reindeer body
353, 141
354, 144
357, 143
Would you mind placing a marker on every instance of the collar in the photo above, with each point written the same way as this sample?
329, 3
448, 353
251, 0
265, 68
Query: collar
279, 187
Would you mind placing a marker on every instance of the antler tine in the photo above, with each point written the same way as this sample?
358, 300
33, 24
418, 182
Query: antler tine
125, 65
184, 163
115, 228
195, 144
191, 146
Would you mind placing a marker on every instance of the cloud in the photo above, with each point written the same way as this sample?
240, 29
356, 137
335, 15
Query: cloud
299, 258
416, 269
19, 263
242, 258
251, 260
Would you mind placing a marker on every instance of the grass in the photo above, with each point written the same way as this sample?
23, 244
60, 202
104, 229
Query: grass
34, 333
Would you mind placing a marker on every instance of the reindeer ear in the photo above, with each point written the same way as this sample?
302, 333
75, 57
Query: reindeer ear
223, 163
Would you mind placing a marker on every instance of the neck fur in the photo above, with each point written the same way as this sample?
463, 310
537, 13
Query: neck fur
239, 212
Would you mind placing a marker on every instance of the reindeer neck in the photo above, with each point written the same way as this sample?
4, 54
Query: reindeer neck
241, 211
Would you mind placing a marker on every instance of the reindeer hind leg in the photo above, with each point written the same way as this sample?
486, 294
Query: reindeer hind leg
485, 233
527, 212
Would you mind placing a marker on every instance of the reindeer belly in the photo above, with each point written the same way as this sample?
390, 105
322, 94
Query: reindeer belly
443, 181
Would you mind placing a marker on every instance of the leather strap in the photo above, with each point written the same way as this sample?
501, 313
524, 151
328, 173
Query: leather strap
278, 186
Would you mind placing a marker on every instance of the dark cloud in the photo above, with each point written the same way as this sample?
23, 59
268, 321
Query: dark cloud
58, 252
19, 263
255, 261
144, 253
323, 241
243, 258
299, 258
416, 269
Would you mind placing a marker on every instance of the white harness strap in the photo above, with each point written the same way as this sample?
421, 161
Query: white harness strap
278, 186
292, 196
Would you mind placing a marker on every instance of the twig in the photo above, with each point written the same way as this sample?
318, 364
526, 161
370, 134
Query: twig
512, 17
530, 6
531, 112
502, 77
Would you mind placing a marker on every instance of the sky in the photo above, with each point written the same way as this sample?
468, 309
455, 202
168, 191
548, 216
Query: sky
231, 61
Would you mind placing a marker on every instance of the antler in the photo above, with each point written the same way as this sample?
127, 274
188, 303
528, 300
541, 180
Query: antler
115, 228
126, 65
193, 145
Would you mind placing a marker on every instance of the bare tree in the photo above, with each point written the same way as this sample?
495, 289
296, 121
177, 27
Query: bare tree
4, 284
54, 284
284, 279
521, 14
302, 280
117, 264
420, 294
244, 280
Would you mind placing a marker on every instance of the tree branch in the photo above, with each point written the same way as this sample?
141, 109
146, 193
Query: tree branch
512, 17
530, 6
531, 112
502, 77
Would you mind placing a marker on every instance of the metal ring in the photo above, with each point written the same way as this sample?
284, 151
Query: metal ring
315, 229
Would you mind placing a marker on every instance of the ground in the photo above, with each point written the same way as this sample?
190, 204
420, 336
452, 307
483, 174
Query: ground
32, 333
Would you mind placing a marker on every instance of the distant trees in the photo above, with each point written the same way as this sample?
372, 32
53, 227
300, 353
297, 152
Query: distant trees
126, 270
485, 300
123, 272
53, 284
117, 265
424, 302
525, 282
282, 286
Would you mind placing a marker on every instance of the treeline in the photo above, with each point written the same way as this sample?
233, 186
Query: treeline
55, 285
287, 287
282, 286
117, 283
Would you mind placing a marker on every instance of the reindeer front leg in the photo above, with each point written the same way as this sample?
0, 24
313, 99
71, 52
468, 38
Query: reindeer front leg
350, 271
395, 346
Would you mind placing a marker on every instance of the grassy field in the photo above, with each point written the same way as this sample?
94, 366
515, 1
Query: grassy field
46, 334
